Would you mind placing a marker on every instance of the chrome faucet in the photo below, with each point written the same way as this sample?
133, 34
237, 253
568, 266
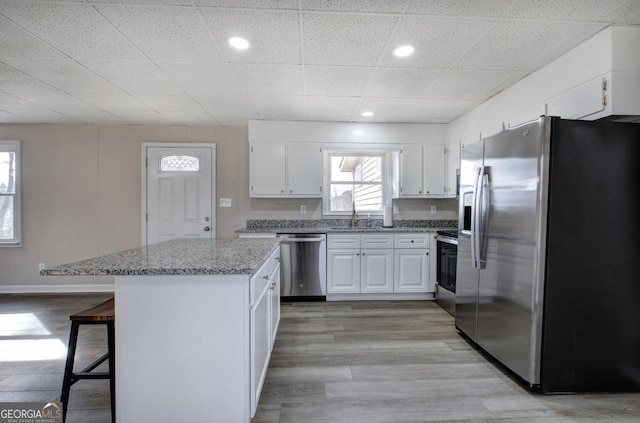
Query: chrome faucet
354, 217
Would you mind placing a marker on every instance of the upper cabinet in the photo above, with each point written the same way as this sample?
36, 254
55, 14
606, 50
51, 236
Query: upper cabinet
453, 169
278, 170
422, 171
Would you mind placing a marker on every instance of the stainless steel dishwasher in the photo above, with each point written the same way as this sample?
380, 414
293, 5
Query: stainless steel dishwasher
303, 267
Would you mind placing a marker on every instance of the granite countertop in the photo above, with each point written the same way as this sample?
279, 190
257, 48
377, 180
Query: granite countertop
327, 226
176, 257
336, 230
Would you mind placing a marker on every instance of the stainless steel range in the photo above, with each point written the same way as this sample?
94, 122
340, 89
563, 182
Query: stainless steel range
447, 250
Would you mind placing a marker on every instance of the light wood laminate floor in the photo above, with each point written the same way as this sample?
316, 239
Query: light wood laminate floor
332, 362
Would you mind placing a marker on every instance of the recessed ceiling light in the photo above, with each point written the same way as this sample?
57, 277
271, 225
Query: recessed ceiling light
239, 43
403, 51
366, 114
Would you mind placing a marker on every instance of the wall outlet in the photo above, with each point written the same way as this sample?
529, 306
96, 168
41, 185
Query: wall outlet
396, 209
434, 209
41, 266
303, 209
225, 202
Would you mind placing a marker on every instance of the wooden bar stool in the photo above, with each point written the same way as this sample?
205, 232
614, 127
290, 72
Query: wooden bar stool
102, 314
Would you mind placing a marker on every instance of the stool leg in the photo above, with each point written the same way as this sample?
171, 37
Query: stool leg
68, 369
111, 339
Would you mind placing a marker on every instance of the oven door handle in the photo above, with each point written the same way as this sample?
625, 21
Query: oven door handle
447, 240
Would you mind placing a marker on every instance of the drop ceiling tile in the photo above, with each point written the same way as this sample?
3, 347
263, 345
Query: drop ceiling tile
345, 39
472, 84
152, 2
368, 6
69, 105
336, 80
64, 74
6, 117
486, 8
331, 106
32, 111
201, 78
274, 35
439, 41
250, 4
165, 34
550, 55
17, 42
168, 103
77, 30
120, 104
628, 13
133, 76
13, 80
515, 45
227, 109
269, 79
405, 83
417, 110
290, 107
583, 10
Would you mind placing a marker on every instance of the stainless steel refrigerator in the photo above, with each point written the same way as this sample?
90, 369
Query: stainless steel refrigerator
548, 273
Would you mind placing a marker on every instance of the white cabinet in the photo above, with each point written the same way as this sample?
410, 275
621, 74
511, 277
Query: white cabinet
412, 262
278, 170
422, 171
378, 263
453, 168
343, 271
351, 270
376, 271
411, 270
264, 317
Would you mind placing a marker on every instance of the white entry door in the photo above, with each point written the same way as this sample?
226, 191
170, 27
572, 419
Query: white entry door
179, 192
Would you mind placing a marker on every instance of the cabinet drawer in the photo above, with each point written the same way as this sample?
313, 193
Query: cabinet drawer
412, 240
343, 241
263, 276
376, 241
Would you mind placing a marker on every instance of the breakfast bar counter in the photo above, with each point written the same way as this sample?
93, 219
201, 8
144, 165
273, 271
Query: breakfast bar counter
195, 325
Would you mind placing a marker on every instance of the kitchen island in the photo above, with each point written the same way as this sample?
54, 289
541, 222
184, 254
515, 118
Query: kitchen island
195, 325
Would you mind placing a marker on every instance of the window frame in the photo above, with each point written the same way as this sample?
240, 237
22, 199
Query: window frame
14, 147
364, 152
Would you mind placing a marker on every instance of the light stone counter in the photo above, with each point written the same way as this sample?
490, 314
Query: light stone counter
176, 257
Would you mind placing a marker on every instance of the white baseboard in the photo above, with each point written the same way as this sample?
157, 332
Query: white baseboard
51, 289
386, 297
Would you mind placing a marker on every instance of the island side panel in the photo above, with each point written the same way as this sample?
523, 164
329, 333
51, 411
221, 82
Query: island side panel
199, 324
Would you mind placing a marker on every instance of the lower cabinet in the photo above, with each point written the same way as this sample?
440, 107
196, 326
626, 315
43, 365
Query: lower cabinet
381, 263
264, 318
411, 270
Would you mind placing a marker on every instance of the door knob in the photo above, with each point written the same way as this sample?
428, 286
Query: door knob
207, 228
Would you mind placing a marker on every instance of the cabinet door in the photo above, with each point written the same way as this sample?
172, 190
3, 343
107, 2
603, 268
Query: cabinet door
434, 184
304, 170
274, 294
267, 170
411, 271
377, 271
411, 171
343, 271
260, 345
453, 167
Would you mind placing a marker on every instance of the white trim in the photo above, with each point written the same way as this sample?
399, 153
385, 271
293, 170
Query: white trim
144, 146
34, 289
387, 297
16, 147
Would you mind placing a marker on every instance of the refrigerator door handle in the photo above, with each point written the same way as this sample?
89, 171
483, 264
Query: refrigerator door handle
475, 219
483, 213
